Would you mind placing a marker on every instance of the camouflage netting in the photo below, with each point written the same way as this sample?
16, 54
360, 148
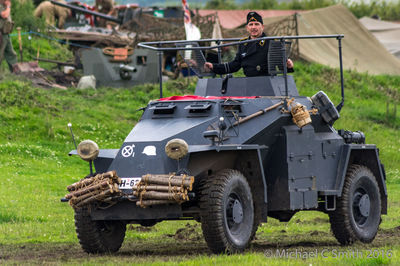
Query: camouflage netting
286, 27
278, 26
150, 28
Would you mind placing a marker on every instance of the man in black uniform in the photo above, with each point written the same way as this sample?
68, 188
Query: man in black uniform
252, 56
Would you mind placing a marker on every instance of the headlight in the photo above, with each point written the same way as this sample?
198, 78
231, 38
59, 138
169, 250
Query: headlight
88, 150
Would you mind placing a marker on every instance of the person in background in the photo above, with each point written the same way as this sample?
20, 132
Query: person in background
6, 26
252, 56
105, 7
52, 13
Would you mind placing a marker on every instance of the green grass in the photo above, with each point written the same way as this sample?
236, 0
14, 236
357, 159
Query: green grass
35, 227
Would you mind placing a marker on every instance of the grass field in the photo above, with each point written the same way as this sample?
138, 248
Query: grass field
36, 228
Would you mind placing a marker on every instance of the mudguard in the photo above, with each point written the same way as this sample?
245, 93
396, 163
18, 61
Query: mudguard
248, 159
103, 160
367, 155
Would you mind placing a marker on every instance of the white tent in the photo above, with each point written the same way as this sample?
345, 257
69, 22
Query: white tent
388, 33
361, 50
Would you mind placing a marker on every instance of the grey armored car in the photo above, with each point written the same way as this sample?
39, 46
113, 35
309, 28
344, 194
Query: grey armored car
237, 152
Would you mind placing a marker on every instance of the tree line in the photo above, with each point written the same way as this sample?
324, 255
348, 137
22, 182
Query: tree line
22, 11
382, 9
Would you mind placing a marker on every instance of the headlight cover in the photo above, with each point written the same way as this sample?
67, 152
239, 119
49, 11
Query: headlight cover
88, 150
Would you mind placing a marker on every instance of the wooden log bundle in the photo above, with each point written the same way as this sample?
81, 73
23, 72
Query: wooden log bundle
97, 188
163, 189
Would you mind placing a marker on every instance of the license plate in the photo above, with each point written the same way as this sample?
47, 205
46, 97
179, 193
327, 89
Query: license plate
129, 182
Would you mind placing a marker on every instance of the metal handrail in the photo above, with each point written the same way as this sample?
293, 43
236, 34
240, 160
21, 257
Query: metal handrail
235, 41
158, 46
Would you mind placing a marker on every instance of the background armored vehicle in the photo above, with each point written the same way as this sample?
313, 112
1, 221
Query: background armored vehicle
120, 69
237, 152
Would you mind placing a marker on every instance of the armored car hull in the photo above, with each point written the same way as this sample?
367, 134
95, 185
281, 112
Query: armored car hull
237, 152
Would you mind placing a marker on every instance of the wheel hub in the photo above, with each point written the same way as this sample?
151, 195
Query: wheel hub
364, 205
361, 207
237, 212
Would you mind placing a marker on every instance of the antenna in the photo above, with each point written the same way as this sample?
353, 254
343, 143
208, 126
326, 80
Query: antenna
72, 135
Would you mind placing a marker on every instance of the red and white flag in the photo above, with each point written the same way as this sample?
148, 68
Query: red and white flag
186, 14
192, 32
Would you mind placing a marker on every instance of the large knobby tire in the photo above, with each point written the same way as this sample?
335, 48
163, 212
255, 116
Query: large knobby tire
358, 211
98, 236
227, 212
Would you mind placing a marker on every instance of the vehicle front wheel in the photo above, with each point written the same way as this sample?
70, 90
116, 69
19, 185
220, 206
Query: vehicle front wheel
98, 236
227, 212
358, 211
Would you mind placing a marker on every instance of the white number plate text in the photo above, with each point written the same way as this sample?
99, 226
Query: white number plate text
129, 182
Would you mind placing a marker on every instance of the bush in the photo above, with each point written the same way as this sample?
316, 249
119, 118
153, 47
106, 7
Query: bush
384, 10
22, 15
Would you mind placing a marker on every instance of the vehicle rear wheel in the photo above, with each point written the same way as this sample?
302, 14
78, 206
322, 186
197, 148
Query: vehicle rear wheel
358, 211
227, 212
98, 236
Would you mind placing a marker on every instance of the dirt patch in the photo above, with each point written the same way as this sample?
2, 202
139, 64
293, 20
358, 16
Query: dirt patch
314, 233
187, 241
320, 220
50, 79
140, 228
165, 247
41, 252
392, 232
189, 232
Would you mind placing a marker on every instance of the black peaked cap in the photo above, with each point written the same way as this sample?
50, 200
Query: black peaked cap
254, 16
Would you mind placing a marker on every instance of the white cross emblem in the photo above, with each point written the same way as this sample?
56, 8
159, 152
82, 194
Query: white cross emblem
128, 151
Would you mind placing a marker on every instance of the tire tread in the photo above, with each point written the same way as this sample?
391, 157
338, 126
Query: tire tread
340, 219
90, 238
212, 192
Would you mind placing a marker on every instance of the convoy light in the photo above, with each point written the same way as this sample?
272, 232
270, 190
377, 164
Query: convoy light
176, 149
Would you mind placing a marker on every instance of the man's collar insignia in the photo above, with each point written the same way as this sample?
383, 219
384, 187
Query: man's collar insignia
243, 39
262, 42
